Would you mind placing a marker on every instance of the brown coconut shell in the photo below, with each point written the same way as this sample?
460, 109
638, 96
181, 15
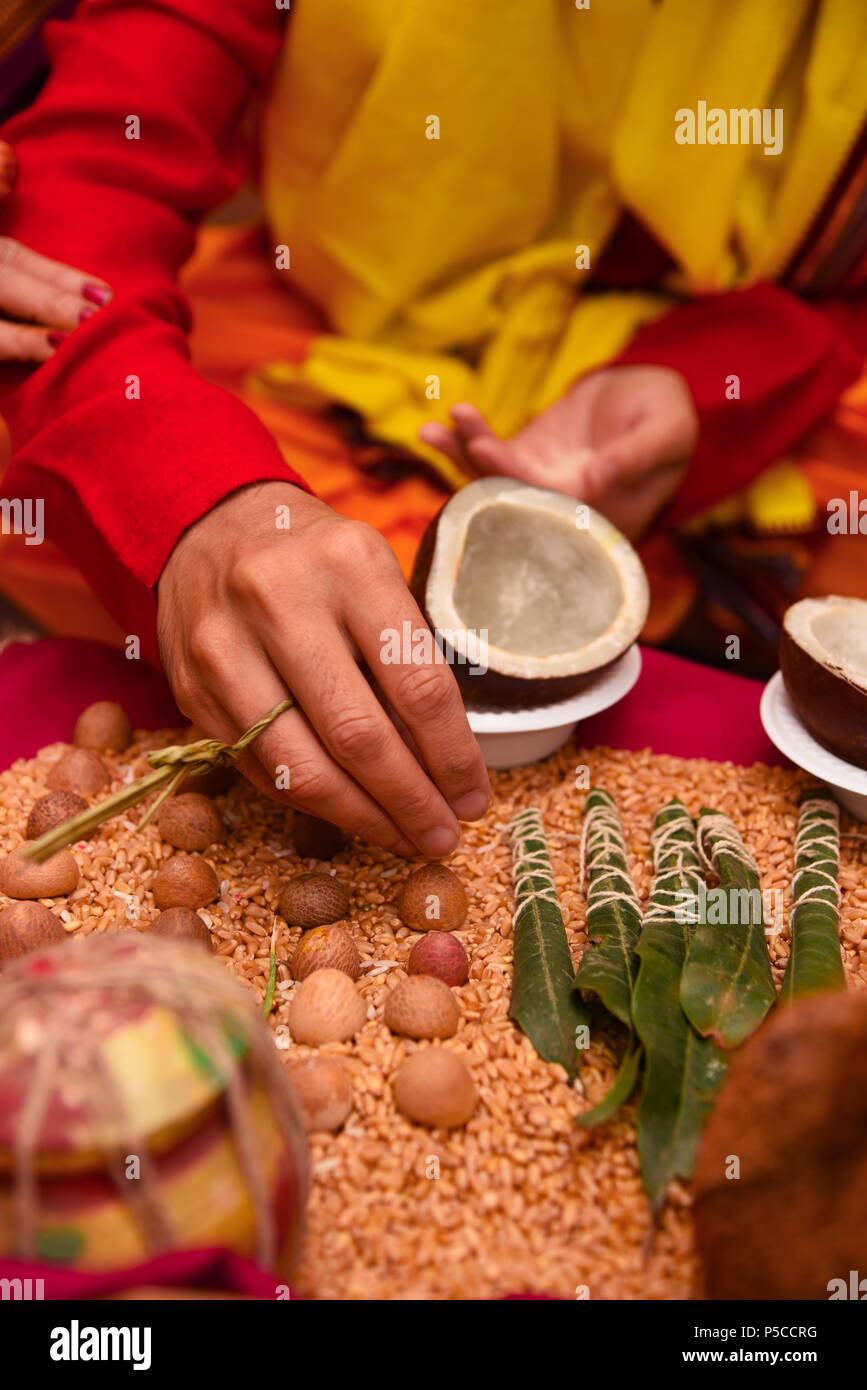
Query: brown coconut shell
793, 1115
495, 688
828, 698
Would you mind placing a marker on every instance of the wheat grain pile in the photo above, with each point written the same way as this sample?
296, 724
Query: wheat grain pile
521, 1199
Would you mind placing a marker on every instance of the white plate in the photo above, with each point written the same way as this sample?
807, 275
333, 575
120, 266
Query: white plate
510, 738
785, 730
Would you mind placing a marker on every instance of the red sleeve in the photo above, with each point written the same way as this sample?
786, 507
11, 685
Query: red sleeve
121, 477
792, 362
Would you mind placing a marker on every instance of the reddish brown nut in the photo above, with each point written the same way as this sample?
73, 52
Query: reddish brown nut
185, 880
191, 821
327, 1007
323, 1090
103, 727
24, 878
181, 924
51, 810
434, 1087
433, 899
27, 926
326, 948
420, 1006
441, 955
79, 770
313, 900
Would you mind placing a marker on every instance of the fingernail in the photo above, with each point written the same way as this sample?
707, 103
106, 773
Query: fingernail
405, 849
97, 294
438, 842
472, 806
87, 312
57, 337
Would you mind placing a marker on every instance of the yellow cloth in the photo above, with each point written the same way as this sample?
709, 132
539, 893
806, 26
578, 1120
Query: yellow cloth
447, 266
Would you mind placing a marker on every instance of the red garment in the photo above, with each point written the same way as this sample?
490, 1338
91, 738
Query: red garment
674, 709
206, 1270
121, 479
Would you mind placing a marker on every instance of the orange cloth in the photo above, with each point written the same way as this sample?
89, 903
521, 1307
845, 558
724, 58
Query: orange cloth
244, 315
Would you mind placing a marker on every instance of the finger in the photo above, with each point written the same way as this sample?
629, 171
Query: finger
231, 698
421, 689
360, 737
64, 278
470, 422
650, 444
21, 343
439, 436
25, 297
500, 456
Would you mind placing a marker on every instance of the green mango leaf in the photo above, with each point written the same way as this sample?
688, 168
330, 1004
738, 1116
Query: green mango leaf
682, 1071
542, 1004
815, 963
609, 966
727, 986
621, 1089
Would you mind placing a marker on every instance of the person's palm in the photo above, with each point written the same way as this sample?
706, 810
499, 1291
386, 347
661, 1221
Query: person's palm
619, 439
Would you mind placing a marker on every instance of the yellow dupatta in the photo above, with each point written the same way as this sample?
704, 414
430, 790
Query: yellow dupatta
434, 168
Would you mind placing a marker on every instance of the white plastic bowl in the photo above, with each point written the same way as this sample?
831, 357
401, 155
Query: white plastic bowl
784, 728
511, 738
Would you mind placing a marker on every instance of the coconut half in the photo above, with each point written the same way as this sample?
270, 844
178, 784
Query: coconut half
823, 658
530, 593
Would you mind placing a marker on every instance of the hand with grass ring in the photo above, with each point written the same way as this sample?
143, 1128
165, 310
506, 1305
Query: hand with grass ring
248, 609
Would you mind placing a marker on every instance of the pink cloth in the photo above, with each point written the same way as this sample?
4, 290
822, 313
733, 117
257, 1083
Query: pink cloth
687, 710
676, 707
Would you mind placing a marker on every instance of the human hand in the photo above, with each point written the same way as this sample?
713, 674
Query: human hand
247, 610
620, 439
41, 301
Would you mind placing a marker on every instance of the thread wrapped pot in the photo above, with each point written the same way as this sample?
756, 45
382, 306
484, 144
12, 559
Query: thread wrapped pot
142, 1108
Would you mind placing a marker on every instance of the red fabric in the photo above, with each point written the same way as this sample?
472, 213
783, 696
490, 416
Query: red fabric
676, 707
120, 478
213, 1270
792, 360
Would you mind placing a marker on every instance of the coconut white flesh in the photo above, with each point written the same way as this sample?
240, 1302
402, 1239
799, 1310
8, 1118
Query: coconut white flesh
833, 631
554, 586
535, 582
